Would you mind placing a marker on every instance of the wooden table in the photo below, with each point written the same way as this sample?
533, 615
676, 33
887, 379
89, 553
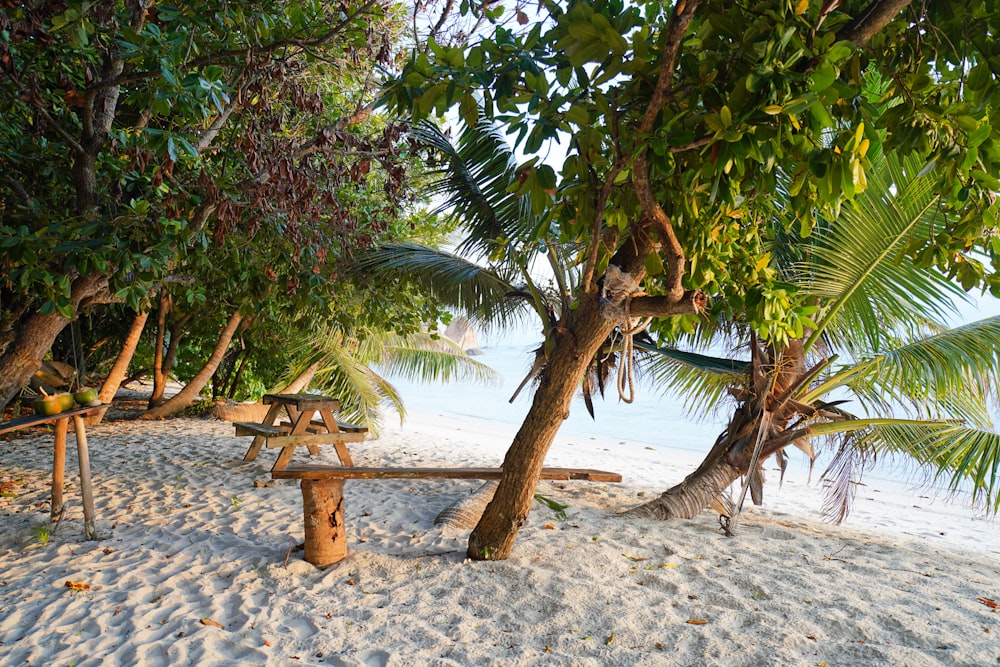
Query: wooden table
311, 423
61, 421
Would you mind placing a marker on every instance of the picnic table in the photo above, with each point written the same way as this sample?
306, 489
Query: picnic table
311, 423
61, 421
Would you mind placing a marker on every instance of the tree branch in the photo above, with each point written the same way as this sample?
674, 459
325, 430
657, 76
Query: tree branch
691, 302
653, 214
868, 24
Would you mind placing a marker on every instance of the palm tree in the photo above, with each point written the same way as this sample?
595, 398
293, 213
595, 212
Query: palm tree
353, 366
886, 321
491, 277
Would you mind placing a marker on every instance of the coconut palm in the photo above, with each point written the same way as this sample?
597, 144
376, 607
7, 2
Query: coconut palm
887, 322
353, 366
491, 275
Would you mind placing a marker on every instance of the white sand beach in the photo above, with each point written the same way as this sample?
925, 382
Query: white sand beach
194, 565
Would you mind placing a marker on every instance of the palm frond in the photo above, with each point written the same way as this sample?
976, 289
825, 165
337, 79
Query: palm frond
855, 266
475, 184
700, 379
434, 359
968, 457
480, 293
950, 374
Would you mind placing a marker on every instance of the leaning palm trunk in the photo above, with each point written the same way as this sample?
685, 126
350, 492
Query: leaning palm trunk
757, 430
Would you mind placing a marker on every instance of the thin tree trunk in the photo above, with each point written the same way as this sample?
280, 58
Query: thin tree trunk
230, 390
159, 376
493, 538
34, 338
189, 394
117, 373
302, 381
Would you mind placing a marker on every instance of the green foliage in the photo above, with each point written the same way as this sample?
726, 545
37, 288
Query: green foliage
766, 96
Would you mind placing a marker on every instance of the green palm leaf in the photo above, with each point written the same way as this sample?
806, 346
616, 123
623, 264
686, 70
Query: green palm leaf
482, 294
966, 456
476, 182
701, 379
869, 293
949, 374
345, 367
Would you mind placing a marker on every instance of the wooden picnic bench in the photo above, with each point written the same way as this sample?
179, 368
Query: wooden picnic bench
323, 497
311, 422
61, 421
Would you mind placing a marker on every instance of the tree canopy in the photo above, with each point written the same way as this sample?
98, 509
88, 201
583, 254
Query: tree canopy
228, 156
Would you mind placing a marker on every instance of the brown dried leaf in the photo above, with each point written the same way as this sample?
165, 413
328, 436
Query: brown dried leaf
77, 586
208, 621
549, 526
697, 621
992, 604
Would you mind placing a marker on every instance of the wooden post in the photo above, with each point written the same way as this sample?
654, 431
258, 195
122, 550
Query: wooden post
323, 512
58, 469
86, 491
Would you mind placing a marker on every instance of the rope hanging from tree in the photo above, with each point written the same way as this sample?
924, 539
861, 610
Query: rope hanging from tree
619, 288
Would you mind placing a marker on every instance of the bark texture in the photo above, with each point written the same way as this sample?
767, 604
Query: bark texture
35, 336
119, 371
323, 514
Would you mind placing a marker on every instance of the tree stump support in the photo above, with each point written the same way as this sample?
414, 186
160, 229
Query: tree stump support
323, 514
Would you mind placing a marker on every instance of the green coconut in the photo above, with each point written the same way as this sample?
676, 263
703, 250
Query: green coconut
54, 404
86, 396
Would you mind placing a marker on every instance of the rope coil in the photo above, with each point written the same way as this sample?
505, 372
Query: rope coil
619, 289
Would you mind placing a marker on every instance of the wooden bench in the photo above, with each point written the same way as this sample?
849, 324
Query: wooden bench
61, 421
323, 497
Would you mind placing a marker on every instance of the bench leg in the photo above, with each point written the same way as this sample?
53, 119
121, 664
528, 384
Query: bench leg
323, 514
255, 447
86, 489
58, 469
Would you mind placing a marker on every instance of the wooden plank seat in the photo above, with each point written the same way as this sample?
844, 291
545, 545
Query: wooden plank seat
323, 497
284, 428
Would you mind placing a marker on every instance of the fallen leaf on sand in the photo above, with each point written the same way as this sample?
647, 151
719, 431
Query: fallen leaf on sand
992, 604
77, 586
697, 621
214, 624
549, 526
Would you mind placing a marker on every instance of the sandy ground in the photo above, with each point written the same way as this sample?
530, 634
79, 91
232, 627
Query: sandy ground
195, 565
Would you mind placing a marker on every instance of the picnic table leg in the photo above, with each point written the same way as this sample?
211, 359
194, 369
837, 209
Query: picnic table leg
300, 422
331, 425
58, 470
86, 490
258, 440
323, 511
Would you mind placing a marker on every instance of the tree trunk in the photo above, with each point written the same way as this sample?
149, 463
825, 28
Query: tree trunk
159, 376
699, 490
299, 384
189, 393
118, 372
34, 338
493, 538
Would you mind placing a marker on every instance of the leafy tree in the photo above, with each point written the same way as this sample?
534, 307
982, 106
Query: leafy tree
676, 119
138, 138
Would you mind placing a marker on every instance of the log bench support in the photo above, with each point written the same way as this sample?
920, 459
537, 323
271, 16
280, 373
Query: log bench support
323, 497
